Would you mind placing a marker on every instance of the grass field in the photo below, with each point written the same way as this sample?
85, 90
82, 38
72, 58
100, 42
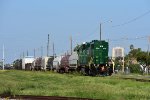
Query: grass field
53, 84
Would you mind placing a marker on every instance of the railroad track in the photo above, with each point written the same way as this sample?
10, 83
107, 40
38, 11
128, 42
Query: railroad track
137, 79
30, 97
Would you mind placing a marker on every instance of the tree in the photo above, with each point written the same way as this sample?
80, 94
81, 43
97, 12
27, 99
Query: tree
134, 53
17, 64
148, 60
135, 58
139, 55
118, 63
135, 68
131, 47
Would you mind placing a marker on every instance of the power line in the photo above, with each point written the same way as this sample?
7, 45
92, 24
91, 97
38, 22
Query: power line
132, 20
130, 39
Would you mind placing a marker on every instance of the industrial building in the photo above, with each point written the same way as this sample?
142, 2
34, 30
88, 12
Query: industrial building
117, 52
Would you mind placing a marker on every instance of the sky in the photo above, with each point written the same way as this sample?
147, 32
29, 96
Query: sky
25, 25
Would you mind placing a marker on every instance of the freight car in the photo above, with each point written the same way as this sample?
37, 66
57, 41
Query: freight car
61, 63
73, 61
27, 63
57, 62
37, 64
64, 66
92, 57
50, 63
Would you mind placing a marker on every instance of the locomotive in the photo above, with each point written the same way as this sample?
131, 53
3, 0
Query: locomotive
93, 57
89, 58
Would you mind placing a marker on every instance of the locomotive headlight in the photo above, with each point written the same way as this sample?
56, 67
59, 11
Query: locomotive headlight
101, 45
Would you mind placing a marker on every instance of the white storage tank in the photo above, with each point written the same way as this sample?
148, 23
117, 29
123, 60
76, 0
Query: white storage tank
73, 60
27, 62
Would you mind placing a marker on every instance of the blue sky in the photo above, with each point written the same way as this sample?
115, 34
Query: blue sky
25, 24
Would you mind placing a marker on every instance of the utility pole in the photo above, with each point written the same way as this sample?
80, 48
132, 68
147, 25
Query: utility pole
123, 65
148, 44
148, 55
23, 54
27, 53
34, 52
101, 28
53, 50
123, 60
48, 46
71, 45
67, 53
41, 51
3, 57
100, 31
20, 56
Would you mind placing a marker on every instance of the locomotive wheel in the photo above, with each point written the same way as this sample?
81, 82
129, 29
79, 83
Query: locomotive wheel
93, 71
86, 70
83, 71
78, 69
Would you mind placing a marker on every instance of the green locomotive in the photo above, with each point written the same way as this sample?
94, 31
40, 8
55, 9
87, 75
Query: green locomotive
93, 57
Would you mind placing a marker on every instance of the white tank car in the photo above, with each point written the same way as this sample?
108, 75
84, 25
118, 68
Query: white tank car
73, 61
57, 62
44, 62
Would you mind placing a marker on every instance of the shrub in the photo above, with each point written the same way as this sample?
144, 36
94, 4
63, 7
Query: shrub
135, 68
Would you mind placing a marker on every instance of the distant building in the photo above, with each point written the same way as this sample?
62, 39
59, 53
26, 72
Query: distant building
117, 52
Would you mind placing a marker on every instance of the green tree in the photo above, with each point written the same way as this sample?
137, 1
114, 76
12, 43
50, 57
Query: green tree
135, 68
118, 63
131, 47
134, 53
139, 55
17, 64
